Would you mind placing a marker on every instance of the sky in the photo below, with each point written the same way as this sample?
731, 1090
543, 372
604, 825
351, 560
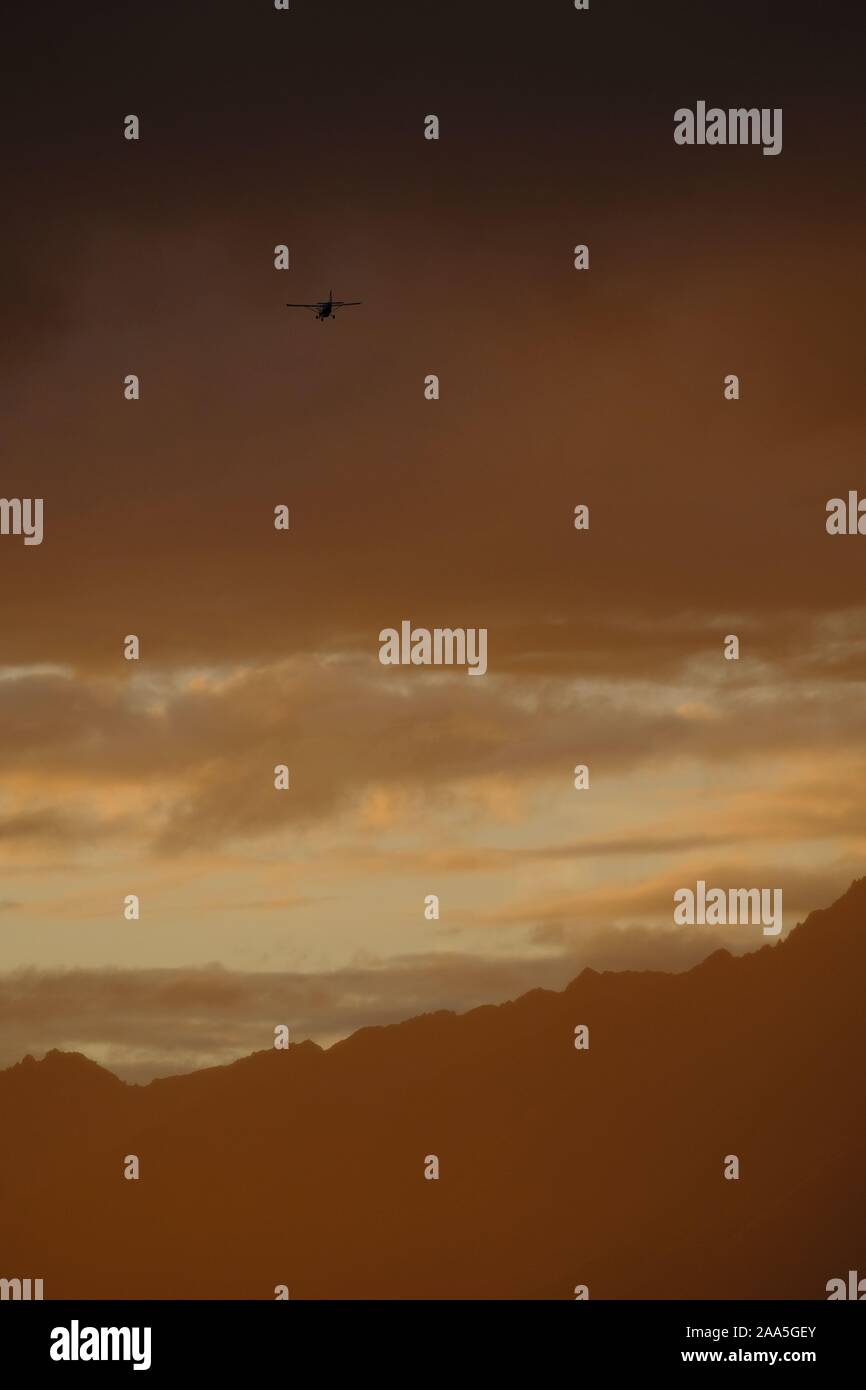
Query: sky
558, 387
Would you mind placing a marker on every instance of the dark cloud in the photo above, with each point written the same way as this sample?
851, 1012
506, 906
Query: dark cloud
201, 750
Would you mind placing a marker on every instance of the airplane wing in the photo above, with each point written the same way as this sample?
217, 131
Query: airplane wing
303, 306
346, 303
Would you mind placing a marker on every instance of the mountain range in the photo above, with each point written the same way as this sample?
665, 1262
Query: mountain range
559, 1166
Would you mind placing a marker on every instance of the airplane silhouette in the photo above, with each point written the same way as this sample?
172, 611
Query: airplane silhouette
324, 309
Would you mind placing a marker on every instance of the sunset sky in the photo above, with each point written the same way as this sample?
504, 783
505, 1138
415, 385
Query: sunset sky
260, 647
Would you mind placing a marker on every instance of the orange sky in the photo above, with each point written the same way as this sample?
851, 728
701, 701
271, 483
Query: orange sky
258, 647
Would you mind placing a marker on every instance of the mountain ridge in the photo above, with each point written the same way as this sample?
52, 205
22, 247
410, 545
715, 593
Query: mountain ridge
558, 1166
855, 892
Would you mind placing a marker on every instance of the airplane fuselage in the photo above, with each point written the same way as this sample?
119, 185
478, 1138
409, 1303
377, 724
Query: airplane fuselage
327, 308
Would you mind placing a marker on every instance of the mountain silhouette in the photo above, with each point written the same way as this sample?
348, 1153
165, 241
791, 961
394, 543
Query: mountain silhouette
558, 1167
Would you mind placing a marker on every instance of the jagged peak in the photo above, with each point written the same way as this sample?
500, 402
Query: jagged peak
57, 1062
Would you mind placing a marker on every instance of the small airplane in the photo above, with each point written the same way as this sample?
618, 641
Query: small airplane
325, 307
